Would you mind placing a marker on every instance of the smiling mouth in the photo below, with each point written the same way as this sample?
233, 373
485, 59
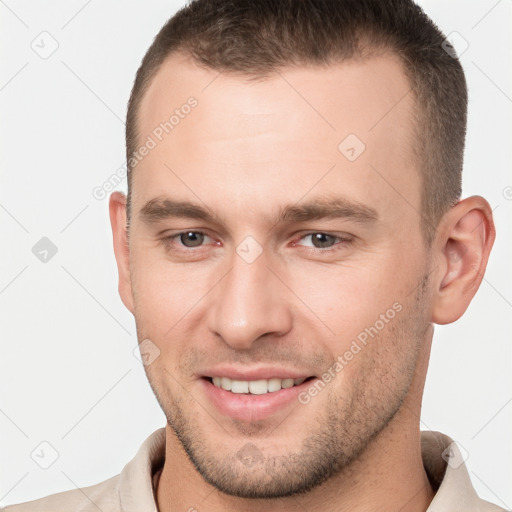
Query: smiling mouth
255, 387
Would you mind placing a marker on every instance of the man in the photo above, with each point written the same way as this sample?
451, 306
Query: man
292, 231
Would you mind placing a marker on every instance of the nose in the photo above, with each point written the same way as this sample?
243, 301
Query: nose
248, 303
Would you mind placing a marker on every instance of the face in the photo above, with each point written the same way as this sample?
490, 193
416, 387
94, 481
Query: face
276, 252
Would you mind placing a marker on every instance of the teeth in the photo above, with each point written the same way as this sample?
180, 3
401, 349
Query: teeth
255, 387
258, 387
225, 383
274, 384
287, 383
239, 386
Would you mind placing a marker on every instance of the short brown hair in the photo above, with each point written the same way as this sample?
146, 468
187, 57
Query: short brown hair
253, 38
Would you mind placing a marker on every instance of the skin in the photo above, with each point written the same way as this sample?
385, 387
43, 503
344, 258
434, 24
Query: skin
247, 150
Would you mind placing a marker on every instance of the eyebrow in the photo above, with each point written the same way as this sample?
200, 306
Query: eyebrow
162, 208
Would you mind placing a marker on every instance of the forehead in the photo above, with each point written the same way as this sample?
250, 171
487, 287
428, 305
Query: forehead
347, 127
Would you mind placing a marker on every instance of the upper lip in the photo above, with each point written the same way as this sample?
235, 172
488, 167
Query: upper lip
255, 373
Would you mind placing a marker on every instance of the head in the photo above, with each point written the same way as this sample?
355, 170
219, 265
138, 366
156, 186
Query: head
301, 217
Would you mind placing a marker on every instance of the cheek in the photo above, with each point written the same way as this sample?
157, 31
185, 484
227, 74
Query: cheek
162, 293
376, 363
348, 299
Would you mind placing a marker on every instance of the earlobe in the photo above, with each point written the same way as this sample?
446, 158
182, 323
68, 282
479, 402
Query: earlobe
117, 210
465, 238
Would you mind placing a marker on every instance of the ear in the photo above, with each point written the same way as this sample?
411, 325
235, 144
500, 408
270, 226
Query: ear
465, 237
117, 209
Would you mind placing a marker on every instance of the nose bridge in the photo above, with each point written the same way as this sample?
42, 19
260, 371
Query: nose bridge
249, 301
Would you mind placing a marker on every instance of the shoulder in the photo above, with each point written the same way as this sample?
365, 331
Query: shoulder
445, 466
132, 488
103, 496
487, 506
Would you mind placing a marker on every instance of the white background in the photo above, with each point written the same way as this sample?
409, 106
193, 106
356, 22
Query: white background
68, 375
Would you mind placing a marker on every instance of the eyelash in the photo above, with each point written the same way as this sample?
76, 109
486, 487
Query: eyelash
342, 241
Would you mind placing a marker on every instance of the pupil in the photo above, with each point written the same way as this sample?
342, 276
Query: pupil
196, 239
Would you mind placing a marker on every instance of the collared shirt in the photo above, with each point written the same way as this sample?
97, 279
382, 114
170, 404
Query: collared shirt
133, 490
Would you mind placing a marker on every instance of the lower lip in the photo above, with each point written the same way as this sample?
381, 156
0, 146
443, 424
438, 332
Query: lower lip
250, 408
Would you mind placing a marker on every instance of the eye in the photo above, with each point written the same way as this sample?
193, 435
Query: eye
320, 240
188, 239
